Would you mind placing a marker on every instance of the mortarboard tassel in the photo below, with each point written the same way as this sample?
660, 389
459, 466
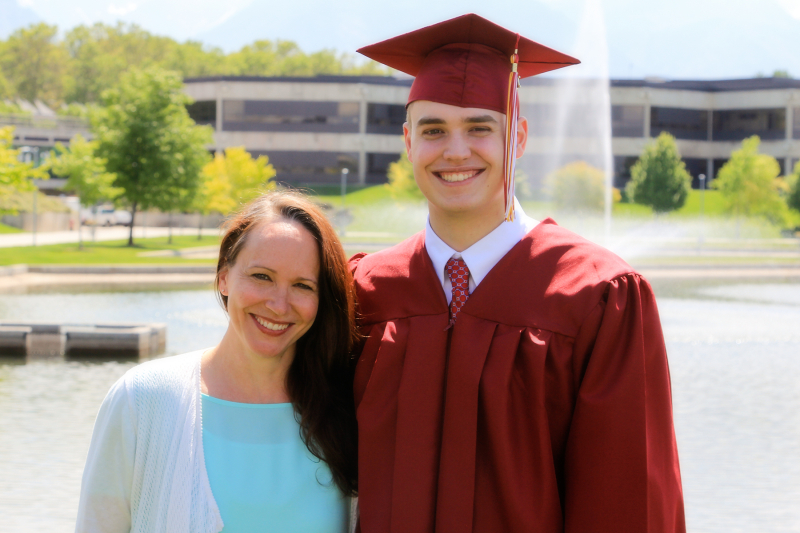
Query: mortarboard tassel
512, 116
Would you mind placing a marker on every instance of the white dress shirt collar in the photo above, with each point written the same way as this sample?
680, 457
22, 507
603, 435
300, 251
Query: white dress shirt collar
482, 256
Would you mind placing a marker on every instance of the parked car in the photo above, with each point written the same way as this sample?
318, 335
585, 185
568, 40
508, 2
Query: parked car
106, 216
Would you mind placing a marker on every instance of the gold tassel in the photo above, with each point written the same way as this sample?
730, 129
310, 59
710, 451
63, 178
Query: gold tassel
512, 118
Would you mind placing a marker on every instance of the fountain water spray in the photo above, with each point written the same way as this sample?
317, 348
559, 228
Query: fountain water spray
576, 115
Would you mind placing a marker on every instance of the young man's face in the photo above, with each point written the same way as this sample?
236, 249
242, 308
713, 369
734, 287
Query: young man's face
457, 155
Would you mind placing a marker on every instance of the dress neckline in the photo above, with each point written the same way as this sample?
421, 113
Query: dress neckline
245, 405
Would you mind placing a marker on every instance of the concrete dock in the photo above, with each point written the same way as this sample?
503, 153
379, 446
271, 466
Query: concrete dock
41, 340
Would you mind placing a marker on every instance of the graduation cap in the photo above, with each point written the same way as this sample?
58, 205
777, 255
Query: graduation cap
469, 61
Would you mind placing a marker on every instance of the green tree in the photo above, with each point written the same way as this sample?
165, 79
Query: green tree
231, 179
35, 63
6, 91
522, 185
193, 59
86, 174
659, 178
12, 109
149, 142
15, 175
91, 59
213, 194
749, 186
402, 185
285, 58
75, 110
248, 177
102, 53
793, 200
91, 71
578, 186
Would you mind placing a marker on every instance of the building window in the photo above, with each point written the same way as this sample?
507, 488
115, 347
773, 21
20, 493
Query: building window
622, 169
627, 120
739, 124
270, 115
718, 164
796, 123
305, 168
695, 167
581, 121
378, 167
541, 119
204, 113
386, 118
680, 123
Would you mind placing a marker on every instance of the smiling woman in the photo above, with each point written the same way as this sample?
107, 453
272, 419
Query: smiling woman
270, 291
257, 433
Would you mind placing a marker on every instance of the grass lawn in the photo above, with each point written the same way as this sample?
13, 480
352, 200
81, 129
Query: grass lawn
359, 198
373, 216
378, 194
9, 229
713, 204
373, 211
106, 252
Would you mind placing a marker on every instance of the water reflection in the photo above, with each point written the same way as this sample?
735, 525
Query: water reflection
46, 410
735, 372
194, 318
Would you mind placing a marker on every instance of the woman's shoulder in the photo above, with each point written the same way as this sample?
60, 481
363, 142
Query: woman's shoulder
165, 376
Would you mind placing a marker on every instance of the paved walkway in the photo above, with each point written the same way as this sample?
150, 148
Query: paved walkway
101, 234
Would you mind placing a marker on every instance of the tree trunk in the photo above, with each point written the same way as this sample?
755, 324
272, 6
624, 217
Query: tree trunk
133, 219
80, 232
169, 223
199, 226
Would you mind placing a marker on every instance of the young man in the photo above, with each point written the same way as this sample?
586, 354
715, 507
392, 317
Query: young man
514, 376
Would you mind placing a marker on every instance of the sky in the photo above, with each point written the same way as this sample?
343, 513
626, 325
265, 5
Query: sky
668, 38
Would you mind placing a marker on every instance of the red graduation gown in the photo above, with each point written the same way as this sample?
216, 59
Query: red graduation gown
545, 408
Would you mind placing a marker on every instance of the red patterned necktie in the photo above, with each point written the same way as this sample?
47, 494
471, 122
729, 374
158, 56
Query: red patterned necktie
459, 278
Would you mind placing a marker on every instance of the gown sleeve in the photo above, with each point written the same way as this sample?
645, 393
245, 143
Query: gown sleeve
105, 501
621, 463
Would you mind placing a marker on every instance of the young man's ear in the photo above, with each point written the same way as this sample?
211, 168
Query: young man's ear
407, 139
522, 135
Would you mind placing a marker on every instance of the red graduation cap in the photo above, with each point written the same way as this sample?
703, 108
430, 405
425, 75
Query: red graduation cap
469, 61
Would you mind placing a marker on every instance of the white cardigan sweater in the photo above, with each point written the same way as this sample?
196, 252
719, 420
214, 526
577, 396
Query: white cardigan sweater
145, 471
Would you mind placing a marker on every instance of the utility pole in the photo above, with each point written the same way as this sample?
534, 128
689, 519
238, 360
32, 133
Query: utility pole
702, 207
345, 172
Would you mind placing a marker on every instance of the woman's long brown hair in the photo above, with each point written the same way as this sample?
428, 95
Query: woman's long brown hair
320, 379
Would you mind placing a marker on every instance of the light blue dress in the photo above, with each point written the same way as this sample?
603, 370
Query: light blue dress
262, 476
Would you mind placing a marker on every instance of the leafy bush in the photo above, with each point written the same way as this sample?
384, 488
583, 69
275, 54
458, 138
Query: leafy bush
659, 178
793, 198
8, 108
749, 183
578, 186
401, 180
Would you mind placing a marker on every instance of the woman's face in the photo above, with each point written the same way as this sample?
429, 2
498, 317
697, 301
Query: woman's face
272, 288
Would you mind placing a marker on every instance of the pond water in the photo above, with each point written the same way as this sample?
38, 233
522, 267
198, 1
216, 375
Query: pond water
735, 364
